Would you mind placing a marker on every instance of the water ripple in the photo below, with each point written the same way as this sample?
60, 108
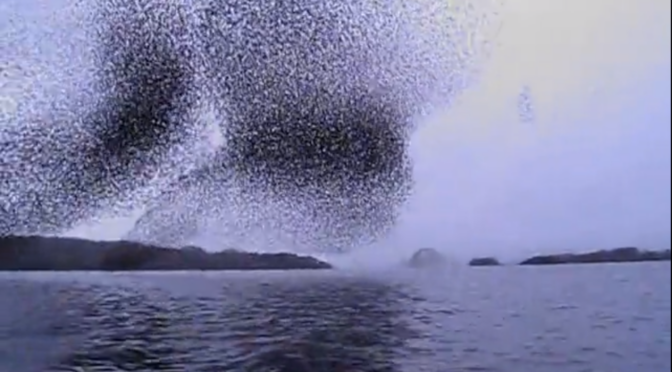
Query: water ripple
337, 322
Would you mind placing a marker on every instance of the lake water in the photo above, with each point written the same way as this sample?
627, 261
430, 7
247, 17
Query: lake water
593, 318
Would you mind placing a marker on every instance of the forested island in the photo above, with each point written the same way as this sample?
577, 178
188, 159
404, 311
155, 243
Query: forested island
24, 253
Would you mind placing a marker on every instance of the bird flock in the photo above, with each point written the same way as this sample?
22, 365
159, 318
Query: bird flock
253, 124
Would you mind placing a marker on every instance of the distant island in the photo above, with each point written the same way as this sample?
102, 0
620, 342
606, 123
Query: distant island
484, 261
25, 253
626, 254
427, 258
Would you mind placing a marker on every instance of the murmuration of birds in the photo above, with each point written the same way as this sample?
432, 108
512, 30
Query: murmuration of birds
282, 121
525, 105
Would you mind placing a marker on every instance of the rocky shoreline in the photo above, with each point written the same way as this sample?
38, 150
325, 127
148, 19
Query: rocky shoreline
39, 253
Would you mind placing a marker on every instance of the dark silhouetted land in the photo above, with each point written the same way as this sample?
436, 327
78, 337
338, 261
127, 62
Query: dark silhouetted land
627, 254
484, 261
65, 254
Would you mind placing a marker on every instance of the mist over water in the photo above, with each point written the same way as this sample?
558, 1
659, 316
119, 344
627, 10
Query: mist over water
558, 140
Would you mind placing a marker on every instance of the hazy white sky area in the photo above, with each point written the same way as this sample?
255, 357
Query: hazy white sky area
591, 171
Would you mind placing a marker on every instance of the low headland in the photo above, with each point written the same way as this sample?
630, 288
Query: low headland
40, 253
626, 254
616, 255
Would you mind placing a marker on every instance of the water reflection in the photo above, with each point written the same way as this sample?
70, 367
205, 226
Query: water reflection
345, 325
127, 331
311, 324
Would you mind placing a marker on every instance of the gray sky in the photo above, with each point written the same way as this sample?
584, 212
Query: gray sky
593, 170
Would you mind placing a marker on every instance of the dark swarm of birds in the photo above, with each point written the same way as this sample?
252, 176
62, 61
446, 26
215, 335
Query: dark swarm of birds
314, 104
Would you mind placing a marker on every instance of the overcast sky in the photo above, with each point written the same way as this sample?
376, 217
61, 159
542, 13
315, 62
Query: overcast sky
591, 171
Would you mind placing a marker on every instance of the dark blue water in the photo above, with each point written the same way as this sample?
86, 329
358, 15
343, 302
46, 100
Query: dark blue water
607, 318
